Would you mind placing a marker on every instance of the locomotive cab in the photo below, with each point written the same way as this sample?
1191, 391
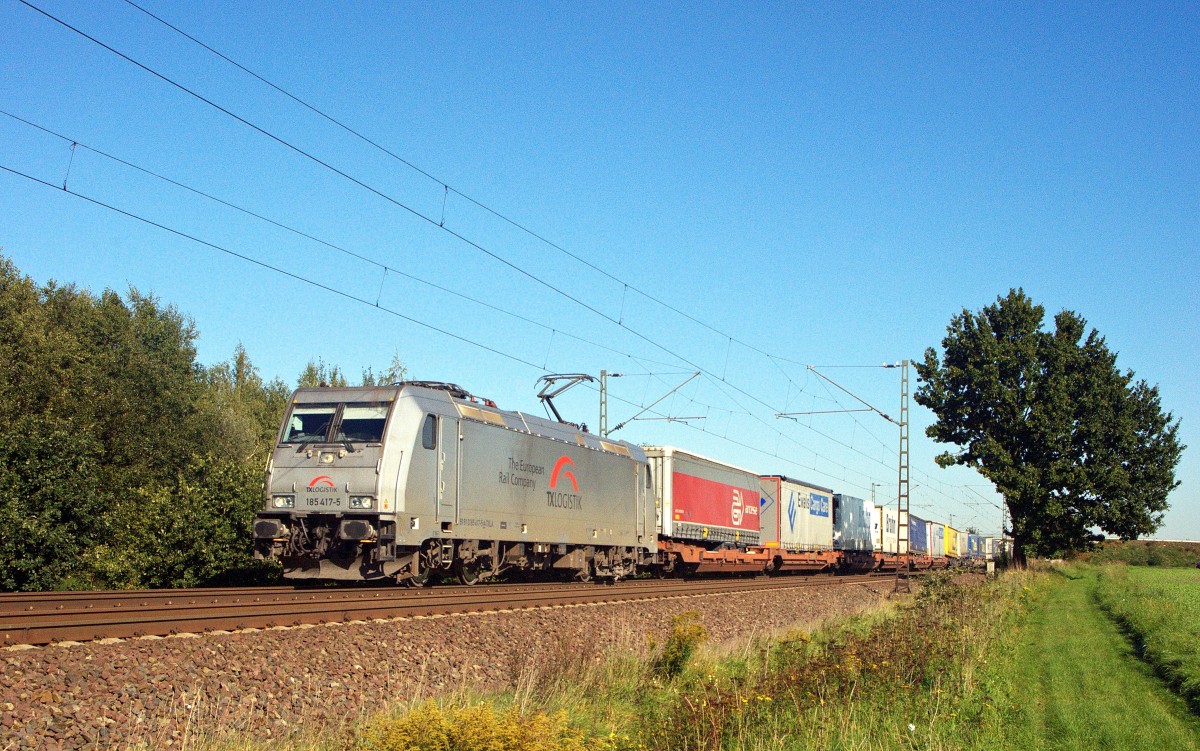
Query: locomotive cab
324, 509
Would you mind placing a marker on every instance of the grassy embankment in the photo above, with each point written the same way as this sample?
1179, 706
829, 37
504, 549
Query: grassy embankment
1026, 661
1146, 553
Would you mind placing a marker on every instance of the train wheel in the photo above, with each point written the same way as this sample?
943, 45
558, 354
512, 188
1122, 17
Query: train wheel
669, 568
469, 572
422, 579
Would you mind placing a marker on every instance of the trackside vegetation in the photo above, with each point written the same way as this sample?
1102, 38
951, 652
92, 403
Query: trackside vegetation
1027, 660
123, 461
1145, 553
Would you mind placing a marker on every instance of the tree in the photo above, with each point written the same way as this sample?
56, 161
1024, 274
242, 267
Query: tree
241, 412
395, 373
319, 374
1071, 442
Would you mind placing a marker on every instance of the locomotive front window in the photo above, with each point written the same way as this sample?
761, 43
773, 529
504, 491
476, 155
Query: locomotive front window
309, 423
362, 422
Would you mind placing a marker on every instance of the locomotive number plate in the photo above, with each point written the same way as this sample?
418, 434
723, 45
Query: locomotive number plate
324, 502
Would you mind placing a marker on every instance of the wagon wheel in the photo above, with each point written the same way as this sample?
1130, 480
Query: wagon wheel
424, 578
469, 572
668, 568
425, 566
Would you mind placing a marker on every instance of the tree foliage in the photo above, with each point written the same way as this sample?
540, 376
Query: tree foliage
320, 374
1071, 442
394, 373
123, 461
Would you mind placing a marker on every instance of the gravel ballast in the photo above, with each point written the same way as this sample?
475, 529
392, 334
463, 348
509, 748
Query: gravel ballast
164, 693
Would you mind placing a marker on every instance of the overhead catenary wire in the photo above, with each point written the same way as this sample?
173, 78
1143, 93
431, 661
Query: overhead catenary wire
466, 340
385, 268
265, 265
333, 290
447, 189
440, 223
414, 212
428, 219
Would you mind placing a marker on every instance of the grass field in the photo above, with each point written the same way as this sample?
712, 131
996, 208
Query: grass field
1160, 610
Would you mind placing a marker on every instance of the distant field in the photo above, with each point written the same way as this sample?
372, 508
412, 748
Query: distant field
1160, 608
1146, 553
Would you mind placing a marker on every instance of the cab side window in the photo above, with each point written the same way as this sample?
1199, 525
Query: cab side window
429, 432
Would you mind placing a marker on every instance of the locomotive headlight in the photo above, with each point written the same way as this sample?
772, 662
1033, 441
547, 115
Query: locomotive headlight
283, 501
362, 501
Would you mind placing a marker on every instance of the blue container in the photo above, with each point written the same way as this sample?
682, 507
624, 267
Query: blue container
975, 547
852, 523
918, 535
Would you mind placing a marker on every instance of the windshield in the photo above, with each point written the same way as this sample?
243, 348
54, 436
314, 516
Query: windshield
311, 423
362, 422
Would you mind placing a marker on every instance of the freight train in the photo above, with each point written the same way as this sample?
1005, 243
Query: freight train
422, 480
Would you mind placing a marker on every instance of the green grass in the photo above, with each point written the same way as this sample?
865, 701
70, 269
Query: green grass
1160, 610
1085, 686
907, 676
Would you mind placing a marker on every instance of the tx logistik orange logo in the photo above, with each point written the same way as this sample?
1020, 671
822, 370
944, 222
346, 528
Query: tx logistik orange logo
557, 499
321, 484
564, 461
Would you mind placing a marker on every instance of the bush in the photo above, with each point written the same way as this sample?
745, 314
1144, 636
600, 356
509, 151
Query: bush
686, 634
429, 727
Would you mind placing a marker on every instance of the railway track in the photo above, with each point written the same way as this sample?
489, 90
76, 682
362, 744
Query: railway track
48, 617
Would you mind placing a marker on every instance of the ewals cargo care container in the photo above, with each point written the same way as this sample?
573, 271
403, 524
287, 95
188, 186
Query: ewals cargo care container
702, 499
852, 523
795, 515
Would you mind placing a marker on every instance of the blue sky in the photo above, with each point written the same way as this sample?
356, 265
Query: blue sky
823, 183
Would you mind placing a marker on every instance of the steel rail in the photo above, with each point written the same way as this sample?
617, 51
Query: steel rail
101, 615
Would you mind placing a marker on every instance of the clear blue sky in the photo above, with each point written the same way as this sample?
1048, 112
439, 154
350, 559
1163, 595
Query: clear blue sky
827, 184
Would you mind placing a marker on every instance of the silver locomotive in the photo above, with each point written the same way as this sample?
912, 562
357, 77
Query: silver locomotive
421, 479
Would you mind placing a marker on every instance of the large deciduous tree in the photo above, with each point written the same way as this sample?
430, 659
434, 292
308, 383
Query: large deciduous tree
1073, 443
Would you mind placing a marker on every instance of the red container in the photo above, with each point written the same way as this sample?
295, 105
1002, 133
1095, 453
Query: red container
702, 499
